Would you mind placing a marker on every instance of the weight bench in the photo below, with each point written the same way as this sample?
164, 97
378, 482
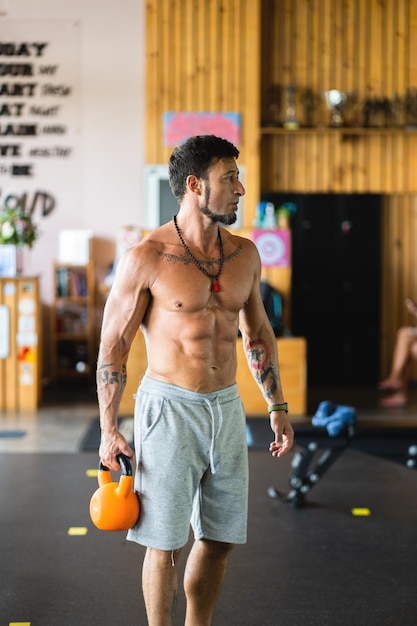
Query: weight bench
320, 446
318, 451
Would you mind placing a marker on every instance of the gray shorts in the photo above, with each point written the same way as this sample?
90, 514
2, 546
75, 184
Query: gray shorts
192, 465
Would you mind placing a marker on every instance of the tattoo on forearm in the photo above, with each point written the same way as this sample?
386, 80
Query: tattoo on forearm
261, 366
107, 376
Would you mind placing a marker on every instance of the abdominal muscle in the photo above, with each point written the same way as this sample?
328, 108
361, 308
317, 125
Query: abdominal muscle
197, 352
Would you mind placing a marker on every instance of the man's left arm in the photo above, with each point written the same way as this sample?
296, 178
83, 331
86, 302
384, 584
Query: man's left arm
261, 352
262, 356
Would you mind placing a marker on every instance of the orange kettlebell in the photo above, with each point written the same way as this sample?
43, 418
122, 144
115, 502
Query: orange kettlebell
115, 506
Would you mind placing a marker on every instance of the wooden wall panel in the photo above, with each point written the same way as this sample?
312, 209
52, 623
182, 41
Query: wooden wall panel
331, 162
366, 48
204, 56
235, 55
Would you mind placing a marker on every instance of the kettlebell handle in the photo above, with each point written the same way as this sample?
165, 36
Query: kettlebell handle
124, 462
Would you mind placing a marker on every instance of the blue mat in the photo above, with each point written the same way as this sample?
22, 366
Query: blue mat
12, 434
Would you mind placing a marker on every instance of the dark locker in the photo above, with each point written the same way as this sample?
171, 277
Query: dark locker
336, 262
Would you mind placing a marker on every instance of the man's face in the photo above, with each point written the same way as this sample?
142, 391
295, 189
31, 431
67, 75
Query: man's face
222, 192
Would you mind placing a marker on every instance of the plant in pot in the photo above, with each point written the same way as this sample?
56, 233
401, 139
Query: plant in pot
17, 229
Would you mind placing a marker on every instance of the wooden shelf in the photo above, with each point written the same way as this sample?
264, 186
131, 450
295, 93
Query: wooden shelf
328, 130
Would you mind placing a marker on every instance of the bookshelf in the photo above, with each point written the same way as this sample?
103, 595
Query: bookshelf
73, 333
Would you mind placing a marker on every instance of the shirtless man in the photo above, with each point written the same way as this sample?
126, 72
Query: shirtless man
189, 286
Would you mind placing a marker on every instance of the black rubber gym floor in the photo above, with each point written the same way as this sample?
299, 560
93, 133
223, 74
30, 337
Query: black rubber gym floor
346, 558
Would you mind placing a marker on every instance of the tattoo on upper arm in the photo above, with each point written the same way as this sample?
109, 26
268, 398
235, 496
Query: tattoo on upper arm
107, 376
263, 369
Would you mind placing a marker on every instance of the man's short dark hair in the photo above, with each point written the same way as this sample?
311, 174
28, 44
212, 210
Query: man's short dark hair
195, 156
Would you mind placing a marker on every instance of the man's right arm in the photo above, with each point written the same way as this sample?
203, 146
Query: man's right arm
123, 314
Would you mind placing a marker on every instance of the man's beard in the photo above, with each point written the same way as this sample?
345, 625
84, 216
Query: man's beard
227, 220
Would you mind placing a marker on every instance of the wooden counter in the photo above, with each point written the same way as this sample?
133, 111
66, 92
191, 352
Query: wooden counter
292, 360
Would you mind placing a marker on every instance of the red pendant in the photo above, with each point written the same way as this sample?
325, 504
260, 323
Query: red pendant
216, 286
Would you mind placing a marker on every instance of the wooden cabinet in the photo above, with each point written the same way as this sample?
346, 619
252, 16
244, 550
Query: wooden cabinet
292, 366
73, 330
20, 344
136, 368
292, 361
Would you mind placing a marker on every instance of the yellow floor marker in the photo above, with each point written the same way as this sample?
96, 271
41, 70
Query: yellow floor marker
77, 531
92, 473
361, 512
19, 623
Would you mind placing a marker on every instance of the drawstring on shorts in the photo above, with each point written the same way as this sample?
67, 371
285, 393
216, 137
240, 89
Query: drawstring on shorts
213, 429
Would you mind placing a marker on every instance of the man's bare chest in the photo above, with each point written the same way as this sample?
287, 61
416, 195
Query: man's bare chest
182, 285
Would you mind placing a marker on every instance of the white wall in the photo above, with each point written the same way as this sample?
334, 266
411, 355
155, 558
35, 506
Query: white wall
108, 190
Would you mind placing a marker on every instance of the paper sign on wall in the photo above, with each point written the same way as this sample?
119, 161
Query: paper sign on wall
4, 332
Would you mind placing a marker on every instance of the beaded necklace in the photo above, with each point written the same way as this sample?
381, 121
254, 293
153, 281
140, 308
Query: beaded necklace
214, 277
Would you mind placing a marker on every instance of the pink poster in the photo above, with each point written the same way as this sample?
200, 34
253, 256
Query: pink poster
178, 126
